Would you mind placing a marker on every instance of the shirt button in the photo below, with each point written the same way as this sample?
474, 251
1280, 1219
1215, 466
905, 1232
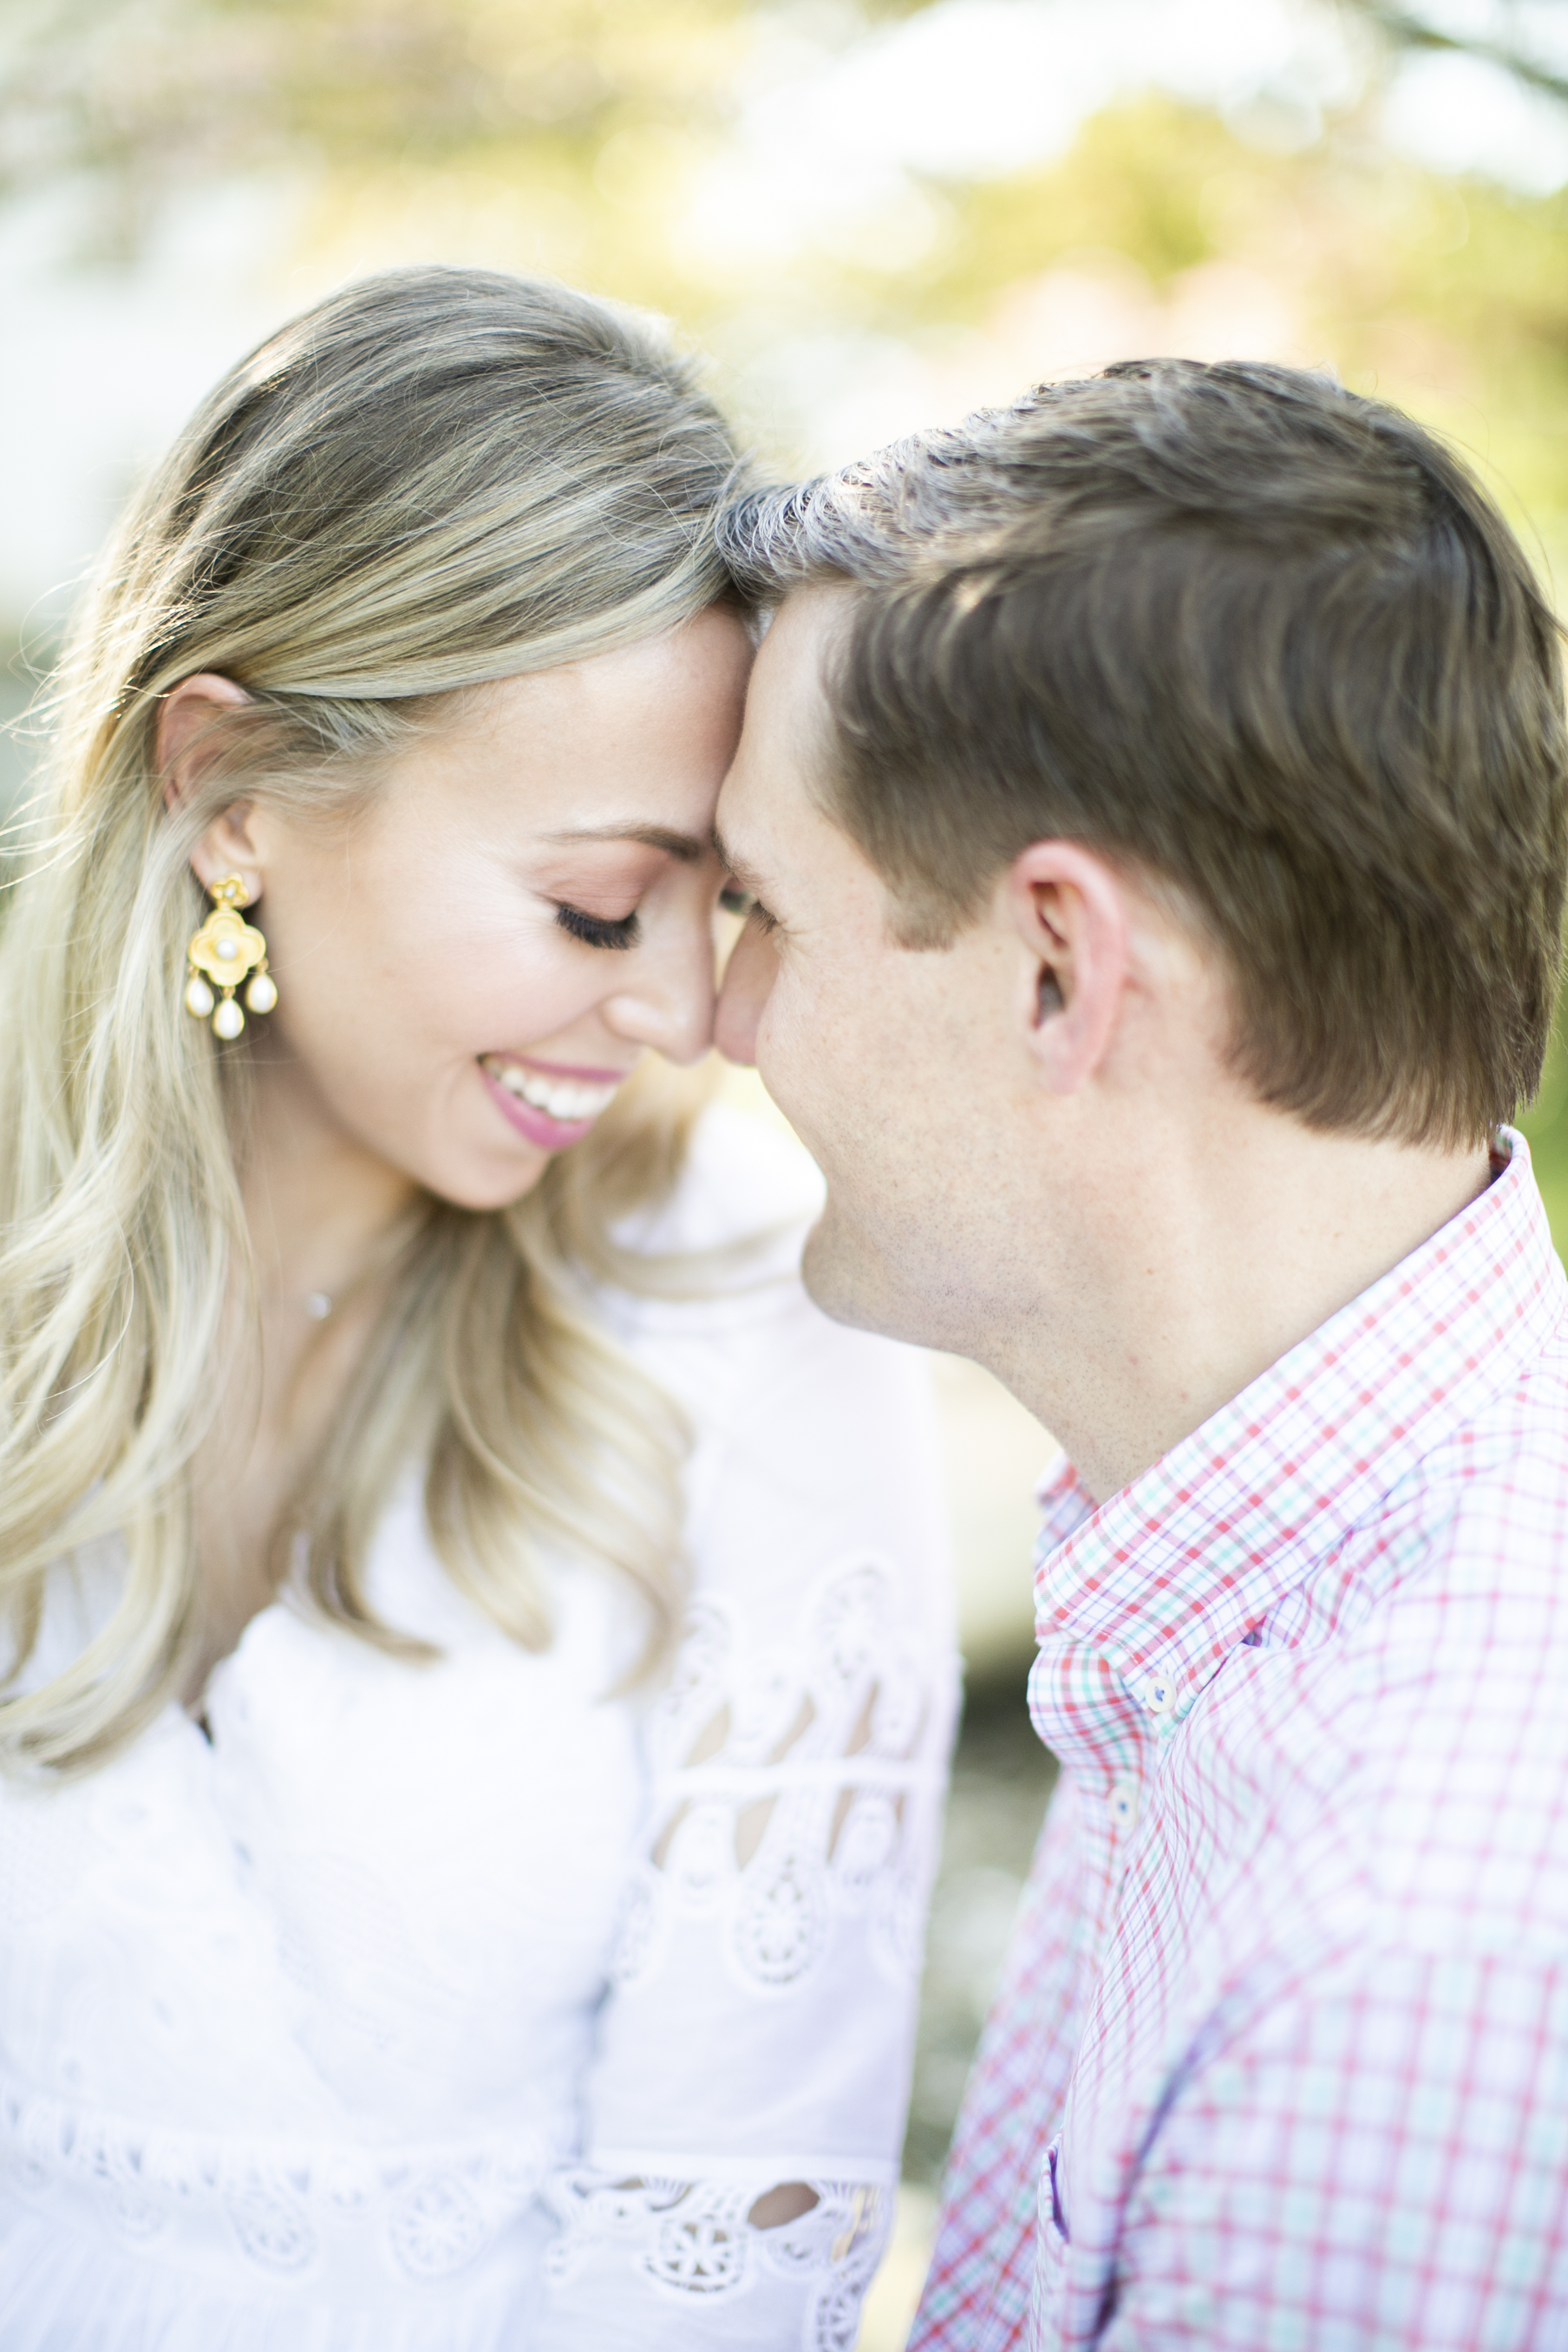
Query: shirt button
1159, 1695
1124, 1797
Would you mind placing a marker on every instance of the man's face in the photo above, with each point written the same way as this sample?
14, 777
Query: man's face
904, 1072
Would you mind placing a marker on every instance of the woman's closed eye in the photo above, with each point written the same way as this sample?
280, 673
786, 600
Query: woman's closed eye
598, 931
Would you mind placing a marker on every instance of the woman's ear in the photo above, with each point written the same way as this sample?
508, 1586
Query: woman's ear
184, 751
1069, 907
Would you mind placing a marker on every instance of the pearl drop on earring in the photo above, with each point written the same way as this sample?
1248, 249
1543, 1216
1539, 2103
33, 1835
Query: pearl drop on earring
222, 952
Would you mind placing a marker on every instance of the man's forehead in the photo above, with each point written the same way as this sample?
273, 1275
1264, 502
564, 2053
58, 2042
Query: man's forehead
787, 736
791, 664
762, 814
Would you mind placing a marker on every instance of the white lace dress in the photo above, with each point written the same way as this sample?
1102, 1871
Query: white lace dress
449, 2007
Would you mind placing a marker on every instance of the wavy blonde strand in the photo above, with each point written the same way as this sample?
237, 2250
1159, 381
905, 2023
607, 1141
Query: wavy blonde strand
433, 480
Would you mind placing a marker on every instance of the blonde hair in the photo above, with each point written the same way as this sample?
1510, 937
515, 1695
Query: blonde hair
433, 478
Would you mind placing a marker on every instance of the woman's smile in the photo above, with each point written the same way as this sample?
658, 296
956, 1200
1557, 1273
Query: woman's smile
549, 1103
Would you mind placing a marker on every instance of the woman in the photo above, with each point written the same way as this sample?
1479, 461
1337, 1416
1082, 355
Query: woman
482, 1680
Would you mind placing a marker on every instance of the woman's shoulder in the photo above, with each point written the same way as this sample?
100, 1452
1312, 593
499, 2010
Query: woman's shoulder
723, 1317
745, 1186
824, 1433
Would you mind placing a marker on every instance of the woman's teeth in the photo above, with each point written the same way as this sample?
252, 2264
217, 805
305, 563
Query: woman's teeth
566, 1099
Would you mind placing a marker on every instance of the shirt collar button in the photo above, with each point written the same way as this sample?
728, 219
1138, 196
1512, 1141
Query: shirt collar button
1123, 1802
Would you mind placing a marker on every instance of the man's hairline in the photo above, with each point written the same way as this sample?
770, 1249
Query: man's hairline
901, 909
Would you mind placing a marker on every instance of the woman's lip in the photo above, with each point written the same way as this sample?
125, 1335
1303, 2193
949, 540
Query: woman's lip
536, 1127
564, 1069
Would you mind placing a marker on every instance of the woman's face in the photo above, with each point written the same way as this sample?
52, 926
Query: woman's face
471, 966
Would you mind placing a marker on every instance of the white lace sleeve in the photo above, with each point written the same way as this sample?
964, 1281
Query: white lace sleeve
759, 2032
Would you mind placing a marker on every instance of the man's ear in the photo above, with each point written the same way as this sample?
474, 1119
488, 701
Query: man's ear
183, 753
1069, 907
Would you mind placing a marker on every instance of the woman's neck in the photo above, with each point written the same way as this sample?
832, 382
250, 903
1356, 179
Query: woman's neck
318, 1204
322, 1211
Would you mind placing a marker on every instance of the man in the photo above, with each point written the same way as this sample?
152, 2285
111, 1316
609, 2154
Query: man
1154, 797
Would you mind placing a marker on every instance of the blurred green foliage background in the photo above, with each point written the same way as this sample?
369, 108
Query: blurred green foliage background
861, 241
870, 214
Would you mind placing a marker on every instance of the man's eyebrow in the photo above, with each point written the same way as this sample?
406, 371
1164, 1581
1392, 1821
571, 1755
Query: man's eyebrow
686, 847
736, 867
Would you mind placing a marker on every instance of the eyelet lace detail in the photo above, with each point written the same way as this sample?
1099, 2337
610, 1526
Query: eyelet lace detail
427, 2213
784, 1782
783, 1919
693, 2240
361, 1934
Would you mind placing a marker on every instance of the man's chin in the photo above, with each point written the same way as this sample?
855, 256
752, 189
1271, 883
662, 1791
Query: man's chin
849, 1281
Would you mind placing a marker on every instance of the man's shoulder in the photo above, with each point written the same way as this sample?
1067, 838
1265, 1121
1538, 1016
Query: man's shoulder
1463, 1555
1487, 1512
1427, 1735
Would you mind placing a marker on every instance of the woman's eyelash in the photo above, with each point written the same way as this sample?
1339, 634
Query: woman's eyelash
598, 931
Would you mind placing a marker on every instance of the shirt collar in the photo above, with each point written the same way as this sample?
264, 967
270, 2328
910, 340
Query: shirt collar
1167, 1576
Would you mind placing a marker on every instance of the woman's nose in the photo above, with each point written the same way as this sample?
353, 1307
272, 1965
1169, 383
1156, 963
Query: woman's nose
671, 1007
747, 984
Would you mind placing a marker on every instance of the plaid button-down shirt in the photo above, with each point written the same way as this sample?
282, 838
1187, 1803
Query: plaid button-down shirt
1280, 2059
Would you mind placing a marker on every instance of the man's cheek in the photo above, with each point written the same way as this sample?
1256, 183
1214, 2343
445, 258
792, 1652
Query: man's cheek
803, 1079
782, 1024
781, 1062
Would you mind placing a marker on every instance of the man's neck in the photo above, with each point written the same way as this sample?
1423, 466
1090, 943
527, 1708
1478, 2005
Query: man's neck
1248, 1233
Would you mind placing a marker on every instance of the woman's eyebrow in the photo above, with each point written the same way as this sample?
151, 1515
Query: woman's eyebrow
686, 847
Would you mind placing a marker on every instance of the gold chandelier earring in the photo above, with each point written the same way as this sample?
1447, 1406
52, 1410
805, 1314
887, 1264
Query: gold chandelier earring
225, 948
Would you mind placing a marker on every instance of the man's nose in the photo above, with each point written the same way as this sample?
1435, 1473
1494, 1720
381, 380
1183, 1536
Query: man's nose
747, 983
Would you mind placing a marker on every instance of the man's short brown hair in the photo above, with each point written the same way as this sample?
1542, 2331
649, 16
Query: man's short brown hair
1254, 636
